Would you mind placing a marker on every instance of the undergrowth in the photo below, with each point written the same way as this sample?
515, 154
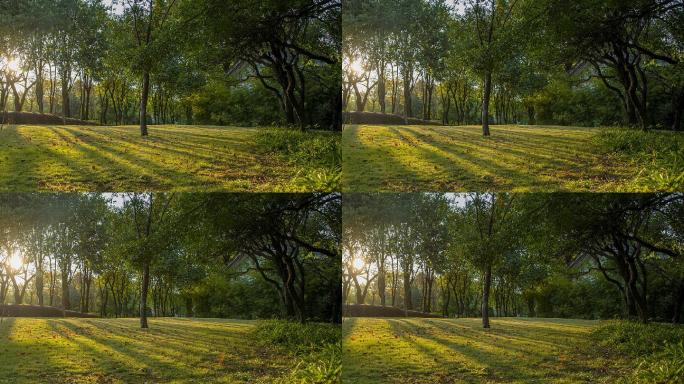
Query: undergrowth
658, 155
316, 155
659, 349
317, 346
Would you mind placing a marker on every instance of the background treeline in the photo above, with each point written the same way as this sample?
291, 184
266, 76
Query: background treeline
551, 255
204, 255
173, 61
584, 62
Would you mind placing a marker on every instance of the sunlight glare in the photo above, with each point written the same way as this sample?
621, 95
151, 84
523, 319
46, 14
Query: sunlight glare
357, 66
358, 263
14, 65
16, 261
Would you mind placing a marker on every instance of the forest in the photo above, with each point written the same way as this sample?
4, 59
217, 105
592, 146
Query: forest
590, 256
160, 287
244, 256
246, 63
513, 95
505, 287
582, 63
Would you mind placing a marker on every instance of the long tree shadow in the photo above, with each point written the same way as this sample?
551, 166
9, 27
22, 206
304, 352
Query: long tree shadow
491, 173
505, 359
171, 172
163, 359
156, 176
524, 150
374, 166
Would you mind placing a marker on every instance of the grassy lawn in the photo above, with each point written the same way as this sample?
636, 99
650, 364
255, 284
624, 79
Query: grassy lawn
459, 351
182, 158
116, 351
456, 159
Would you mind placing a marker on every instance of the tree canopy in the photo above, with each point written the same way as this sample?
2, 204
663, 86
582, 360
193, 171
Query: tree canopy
208, 62
593, 256
207, 255
586, 63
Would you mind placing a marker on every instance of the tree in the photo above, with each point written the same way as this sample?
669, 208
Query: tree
285, 45
149, 21
491, 26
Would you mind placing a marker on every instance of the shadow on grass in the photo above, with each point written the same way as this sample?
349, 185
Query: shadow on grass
157, 175
383, 165
520, 358
175, 354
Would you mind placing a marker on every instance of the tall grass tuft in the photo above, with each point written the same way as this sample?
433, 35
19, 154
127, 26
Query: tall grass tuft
318, 348
659, 349
658, 155
316, 155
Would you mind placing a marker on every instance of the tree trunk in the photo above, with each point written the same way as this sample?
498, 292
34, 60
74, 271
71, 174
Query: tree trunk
382, 90
531, 120
408, 300
39, 285
66, 301
382, 283
143, 295
408, 79
485, 105
66, 79
485, 296
143, 113
40, 90
531, 307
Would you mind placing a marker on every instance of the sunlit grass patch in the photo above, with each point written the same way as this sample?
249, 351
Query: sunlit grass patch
181, 158
658, 347
658, 155
411, 350
317, 348
118, 351
514, 158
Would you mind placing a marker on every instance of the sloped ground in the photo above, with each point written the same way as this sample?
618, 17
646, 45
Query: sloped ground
77, 351
460, 159
429, 351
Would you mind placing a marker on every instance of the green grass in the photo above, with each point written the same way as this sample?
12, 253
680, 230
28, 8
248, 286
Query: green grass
79, 351
417, 351
181, 158
318, 347
659, 349
514, 158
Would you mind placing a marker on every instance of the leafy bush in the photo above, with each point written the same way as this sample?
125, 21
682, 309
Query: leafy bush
317, 156
318, 348
666, 367
659, 348
659, 155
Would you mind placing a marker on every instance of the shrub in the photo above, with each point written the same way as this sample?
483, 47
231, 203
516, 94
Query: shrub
659, 156
659, 348
317, 347
665, 367
316, 155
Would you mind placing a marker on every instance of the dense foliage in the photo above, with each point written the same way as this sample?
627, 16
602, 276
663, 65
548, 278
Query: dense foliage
205, 255
317, 346
659, 347
165, 61
594, 256
583, 62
